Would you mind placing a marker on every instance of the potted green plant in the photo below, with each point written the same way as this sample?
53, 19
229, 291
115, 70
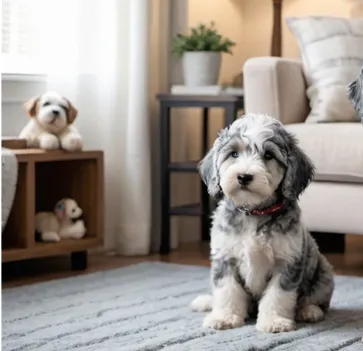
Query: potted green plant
201, 51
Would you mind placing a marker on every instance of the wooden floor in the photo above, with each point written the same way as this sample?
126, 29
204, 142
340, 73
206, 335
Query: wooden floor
28, 272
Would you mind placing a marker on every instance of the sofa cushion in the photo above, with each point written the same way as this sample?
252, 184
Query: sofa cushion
332, 55
336, 149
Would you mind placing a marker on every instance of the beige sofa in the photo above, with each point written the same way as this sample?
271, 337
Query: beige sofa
334, 201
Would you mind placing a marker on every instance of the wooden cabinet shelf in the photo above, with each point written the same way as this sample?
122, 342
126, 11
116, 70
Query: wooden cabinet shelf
44, 177
49, 249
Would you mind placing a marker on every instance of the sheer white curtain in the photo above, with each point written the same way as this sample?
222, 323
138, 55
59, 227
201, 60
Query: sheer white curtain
97, 56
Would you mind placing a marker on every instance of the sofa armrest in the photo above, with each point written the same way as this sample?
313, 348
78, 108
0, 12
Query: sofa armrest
275, 86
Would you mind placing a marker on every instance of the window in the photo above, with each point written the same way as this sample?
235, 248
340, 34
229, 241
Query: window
19, 32
30, 29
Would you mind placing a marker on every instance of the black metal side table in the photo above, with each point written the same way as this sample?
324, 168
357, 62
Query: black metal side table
231, 105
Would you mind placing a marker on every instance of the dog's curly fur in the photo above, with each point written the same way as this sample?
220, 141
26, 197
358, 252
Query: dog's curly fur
265, 264
355, 94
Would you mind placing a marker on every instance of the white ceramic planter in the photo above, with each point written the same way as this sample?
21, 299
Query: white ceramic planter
201, 68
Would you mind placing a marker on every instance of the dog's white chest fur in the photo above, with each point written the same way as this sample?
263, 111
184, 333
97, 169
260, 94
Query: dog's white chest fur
255, 254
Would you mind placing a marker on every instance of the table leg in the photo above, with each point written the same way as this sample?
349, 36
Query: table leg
165, 178
79, 260
231, 114
205, 218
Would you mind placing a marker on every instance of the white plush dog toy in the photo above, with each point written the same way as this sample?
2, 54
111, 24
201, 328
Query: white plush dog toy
50, 126
65, 222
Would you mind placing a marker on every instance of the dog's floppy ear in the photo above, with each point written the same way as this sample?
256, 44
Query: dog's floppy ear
71, 112
209, 172
60, 209
299, 173
355, 94
31, 106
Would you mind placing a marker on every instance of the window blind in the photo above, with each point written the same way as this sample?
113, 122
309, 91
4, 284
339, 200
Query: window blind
23, 32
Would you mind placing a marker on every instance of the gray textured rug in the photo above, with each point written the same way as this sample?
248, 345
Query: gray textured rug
145, 307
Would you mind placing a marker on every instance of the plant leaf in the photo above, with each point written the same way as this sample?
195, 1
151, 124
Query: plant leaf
203, 37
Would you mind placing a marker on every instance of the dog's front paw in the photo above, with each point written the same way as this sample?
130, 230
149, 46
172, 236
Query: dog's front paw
76, 231
202, 303
50, 237
222, 320
310, 314
275, 325
72, 142
48, 142
32, 142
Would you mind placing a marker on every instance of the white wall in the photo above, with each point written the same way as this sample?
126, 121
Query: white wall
14, 93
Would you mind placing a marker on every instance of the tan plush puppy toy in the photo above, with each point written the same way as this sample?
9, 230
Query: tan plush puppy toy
66, 222
51, 123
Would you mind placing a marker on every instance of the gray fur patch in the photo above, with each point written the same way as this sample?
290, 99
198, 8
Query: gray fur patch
293, 272
355, 94
223, 268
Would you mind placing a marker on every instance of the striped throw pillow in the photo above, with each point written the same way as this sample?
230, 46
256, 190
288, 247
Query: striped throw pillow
332, 56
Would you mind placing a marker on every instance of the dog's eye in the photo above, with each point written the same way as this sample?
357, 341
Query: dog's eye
46, 104
268, 156
234, 154
73, 210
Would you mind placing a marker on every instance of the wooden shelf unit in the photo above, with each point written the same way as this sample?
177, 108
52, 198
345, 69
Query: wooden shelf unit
44, 177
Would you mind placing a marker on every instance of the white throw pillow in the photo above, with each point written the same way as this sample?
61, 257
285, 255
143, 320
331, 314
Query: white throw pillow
332, 56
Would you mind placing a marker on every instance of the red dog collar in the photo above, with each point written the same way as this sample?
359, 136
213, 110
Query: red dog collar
263, 212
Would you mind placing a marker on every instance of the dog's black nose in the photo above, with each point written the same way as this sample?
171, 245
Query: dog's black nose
244, 179
55, 112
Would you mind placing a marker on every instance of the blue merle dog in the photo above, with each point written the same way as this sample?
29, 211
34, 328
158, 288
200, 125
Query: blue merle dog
355, 94
263, 259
